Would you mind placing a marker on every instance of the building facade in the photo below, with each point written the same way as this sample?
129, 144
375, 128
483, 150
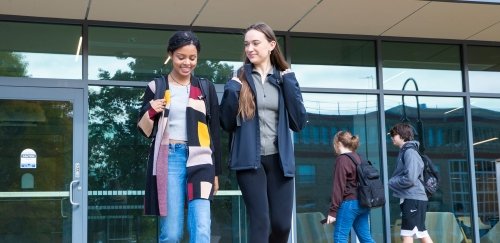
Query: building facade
72, 163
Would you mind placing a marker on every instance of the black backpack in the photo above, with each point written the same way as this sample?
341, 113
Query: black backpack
430, 175
371, 192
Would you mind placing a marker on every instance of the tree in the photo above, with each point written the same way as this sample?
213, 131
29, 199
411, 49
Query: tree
117, 151
12, 65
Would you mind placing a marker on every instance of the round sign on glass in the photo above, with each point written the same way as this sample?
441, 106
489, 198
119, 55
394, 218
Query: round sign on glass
28, 159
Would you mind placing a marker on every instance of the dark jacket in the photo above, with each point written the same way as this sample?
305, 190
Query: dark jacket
203, 161
345, 182
245, 134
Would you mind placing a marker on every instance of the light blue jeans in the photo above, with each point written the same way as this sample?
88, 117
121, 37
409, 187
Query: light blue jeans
351, 214
172, 225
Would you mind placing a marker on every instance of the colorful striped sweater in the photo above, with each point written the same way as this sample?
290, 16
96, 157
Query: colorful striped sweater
203, 162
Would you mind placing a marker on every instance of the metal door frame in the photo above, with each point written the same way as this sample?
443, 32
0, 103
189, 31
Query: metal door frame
75, 91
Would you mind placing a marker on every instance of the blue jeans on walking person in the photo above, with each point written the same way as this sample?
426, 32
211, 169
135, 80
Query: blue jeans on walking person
351, 214
172, 225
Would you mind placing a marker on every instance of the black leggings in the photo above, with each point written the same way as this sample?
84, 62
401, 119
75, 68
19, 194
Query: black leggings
268, 197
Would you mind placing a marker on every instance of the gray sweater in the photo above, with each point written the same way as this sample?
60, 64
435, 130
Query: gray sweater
405, 182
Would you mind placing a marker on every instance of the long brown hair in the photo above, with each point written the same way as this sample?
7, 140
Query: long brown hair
247, 99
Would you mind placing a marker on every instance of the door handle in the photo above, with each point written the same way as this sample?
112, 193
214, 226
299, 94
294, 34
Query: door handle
71, 192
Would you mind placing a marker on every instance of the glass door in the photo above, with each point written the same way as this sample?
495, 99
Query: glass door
42, 174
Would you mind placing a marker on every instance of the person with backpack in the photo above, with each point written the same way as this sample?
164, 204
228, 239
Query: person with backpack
180, 112
345, 208
406, 184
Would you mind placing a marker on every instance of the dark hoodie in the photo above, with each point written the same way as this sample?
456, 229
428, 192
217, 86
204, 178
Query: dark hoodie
405, 181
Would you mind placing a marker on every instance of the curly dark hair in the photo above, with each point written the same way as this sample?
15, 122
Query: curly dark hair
183, 38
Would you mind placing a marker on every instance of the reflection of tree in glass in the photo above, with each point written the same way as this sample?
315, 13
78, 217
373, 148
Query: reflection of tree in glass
118, 152
116, 149
12, 65
142, 69
216, 72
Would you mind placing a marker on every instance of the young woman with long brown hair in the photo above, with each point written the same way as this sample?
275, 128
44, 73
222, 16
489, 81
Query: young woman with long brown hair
258, 109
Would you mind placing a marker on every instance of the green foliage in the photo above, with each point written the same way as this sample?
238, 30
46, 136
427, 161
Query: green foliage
12, 65
216, 72
117, 151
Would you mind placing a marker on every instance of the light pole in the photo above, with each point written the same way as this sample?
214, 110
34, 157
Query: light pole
404, 118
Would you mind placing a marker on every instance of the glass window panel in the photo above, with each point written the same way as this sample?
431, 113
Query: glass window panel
484, 69
339, 64
117, 165
332, 112
486, 134
38, 186
227, 178
40, 50
138, 54
437, 113
435, 67
126, 54
222, 55
229, 220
